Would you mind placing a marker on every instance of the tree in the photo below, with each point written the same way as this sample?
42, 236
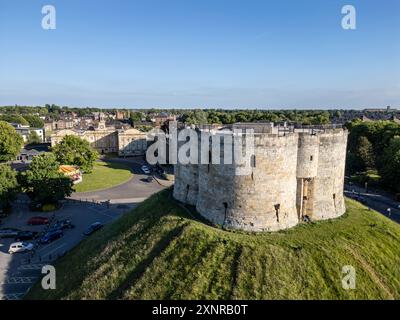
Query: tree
8, 185
14, 118
75, 151
365, 153
10, 142
135, 117
43, 181
34, 121
33, 138
390, 171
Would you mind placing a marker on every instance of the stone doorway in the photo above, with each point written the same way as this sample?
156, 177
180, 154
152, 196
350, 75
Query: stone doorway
305, 197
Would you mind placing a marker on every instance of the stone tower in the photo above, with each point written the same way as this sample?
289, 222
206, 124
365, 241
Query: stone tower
294, 175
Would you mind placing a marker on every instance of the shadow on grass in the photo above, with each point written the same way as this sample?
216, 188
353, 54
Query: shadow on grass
145, 263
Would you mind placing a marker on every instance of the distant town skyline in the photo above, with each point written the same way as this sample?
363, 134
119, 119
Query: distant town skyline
201, 54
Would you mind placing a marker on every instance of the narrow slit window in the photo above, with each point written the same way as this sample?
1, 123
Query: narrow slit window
253, 161
277, 209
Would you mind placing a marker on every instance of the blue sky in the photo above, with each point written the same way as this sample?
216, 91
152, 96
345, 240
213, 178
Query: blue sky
200, 53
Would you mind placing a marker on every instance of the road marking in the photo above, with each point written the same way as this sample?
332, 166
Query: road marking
13, 296
55, 249
37, 266
47, 246
19, 280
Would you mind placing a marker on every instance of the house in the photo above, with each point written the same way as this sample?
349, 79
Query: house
29, 152
162, 118
104, 139
25, 130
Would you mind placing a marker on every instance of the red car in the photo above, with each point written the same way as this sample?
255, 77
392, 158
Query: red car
35, 221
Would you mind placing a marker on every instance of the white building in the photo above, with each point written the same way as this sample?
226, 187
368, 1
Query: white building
25, 130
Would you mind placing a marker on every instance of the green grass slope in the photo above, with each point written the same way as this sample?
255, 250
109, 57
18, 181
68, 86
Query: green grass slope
159, 252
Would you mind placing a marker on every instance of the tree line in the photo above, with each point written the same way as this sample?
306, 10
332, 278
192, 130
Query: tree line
375, 147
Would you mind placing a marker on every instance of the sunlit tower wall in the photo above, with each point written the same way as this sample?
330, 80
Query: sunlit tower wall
291, 177
329, 184
262, 200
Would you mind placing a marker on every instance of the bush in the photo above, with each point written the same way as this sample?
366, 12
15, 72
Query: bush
48, 207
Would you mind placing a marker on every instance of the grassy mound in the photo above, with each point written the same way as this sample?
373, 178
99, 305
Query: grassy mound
159, 252
105, 175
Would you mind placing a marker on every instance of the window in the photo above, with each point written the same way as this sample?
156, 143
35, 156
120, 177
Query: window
277, 209
311, 158
253, 161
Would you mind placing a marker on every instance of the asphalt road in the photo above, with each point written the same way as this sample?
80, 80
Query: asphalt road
378, 201
133, 191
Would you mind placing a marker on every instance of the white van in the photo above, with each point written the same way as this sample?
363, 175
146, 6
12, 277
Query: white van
20, 247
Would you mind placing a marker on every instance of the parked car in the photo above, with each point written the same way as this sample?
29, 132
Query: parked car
20, 247
51, 236
146, 169
62, 224
92, 228
36, 221
8, 232
26, 235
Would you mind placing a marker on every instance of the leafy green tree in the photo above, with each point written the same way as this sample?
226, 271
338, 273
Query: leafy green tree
14, 118
10, 142
135, 117
8, 185
34, 121
75, 151
43, 181
390, 171
365, 153
33, 138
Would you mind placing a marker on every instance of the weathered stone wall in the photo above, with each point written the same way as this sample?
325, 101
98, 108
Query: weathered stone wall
270, 196
329, 184
262, 200
186, 184
307, 157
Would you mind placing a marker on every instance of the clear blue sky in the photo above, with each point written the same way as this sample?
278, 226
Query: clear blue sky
200, 53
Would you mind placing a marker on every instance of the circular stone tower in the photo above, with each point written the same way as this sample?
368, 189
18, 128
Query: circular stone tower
264, 199
329, 183
289, 177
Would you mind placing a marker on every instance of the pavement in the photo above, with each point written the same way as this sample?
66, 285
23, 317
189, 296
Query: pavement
18, 272
375, 199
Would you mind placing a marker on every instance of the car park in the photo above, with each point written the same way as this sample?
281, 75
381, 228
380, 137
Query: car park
8, 232
36, 221
50, 236
20, 247
92, 228
26, 235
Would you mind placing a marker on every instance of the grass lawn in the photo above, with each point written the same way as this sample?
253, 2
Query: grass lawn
159, 252
104, 176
